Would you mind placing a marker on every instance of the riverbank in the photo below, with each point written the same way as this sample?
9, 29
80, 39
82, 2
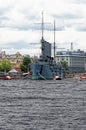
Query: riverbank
76, 75
13, 76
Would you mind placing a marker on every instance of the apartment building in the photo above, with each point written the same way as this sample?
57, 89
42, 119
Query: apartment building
76, 60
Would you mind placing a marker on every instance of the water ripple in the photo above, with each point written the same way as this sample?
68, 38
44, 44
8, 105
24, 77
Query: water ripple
42, 105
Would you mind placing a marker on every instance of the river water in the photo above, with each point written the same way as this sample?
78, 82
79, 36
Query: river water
43, 105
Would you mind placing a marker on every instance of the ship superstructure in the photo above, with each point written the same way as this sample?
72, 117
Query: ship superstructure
45, 67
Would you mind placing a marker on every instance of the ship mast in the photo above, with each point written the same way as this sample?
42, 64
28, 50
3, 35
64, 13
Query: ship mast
54, 40
42, 26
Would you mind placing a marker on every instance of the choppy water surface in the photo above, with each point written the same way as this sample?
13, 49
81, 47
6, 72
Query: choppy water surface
42, 105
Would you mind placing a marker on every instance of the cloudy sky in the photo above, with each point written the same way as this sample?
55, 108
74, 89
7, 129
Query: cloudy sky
20, 28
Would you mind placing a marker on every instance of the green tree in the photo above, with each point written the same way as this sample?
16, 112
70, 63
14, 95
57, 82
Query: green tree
64, 64
26, 60
5, 65
24, 65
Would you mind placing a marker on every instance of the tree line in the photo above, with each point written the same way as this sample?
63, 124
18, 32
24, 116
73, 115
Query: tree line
5, 64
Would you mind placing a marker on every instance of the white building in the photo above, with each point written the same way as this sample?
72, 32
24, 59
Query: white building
76, 60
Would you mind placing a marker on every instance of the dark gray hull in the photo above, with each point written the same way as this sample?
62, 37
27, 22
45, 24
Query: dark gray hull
45, 70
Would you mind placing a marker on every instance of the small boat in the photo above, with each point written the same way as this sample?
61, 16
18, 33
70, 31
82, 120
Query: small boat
57, 78
83, 77
8, 77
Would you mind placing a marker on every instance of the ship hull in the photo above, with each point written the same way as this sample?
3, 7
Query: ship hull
42, 70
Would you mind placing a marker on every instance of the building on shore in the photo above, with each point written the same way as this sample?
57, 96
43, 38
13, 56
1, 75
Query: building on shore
15, 59
76, 60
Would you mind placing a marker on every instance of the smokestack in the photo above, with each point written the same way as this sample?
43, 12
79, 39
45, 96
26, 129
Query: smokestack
71, 46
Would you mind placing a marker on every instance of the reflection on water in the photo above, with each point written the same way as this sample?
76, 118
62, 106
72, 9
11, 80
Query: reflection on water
42, 105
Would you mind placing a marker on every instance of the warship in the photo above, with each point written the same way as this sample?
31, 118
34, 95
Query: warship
45, 68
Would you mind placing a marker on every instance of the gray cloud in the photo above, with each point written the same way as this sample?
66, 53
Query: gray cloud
31, 18
3, 15
5, 22
29, 26
20, 45
2, 19
80, 27
71, 20
3, 10
70, 15
15, 45
79, 1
